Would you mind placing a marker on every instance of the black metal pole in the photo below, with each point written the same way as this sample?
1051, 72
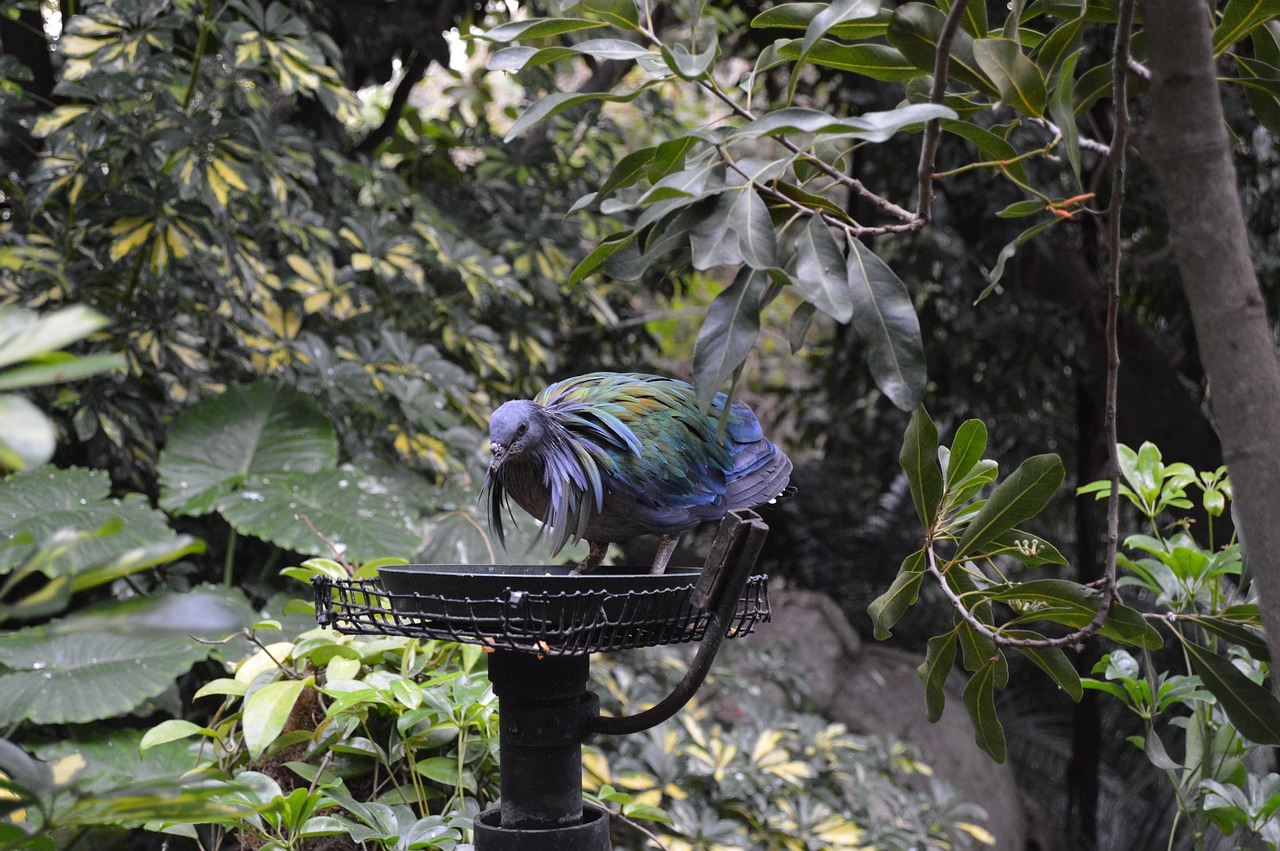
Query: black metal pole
544, 716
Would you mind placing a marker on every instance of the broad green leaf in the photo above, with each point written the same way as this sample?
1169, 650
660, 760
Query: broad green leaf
919, 460
609, 246
138, 559
940, 658
57, 368
1019, 80
728, 333
1091, 86
817, 202
1252, 708
980, 702
1239, 18
537, 28
1019, 497
201, 612
877, 61
1063, 41
886, 609
967, 449
518, 58
25, 334
1053, 661
356, 514
1022, 209
27, 438
628, 170
1031, 550
44, 502
820, 275
914, 30
86, 676
554, 104
872, 126
1235, 632
797, 16
250, 430
886, 323
172, 730
266, 711
798, 326
736, 229
690, 66
619, 13
974, 18
838, 11
1261, 83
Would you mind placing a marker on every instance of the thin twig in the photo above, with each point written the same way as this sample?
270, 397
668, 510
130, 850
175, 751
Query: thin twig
1084, 141
337, 553
933, 127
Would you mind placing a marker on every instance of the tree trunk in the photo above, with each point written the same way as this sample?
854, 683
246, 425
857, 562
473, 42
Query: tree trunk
1187, 143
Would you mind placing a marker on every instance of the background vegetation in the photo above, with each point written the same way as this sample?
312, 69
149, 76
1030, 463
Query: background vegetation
297, 251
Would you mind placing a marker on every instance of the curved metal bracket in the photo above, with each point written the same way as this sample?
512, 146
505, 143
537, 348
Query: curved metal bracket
724, 574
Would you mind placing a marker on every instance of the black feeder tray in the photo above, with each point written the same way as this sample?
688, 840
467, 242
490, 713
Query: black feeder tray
542, 626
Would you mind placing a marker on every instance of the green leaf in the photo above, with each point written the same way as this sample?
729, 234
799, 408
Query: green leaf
819, 275
872, 126
86, 676
940, 658
27, 437
997, 271
838, 11
1031, 550
736, 229
1252, 708
798, 326
690, 66
728, 332
967, 449
537, 28
602, 252
266, 711
619, 13
1019, 80
25, 334
886, 609
1239, 18
797, 16
1091, 86
170, 731
973, 20
250, 430
886, 323
1230, 630
355, 513
877, 61
554, 104
980, 702
1063, 41
57, 368
919, 460
914, 30
1053, 661
45, 502
1019, 497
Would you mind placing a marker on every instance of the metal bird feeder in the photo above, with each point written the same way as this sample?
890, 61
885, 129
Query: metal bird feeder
542, 627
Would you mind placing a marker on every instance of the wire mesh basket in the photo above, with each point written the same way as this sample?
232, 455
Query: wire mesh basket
531, 614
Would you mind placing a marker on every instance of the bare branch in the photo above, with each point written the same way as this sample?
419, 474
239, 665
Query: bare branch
933, 128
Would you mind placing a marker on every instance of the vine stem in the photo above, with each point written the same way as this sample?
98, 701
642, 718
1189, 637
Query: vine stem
202, 41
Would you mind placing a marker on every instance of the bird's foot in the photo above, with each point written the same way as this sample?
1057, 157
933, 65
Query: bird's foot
593, 559
666, 547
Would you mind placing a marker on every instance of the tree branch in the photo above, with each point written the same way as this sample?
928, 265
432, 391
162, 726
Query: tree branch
413, 73
933, 128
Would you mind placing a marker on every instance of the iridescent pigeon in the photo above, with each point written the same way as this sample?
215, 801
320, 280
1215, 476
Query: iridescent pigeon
609, 456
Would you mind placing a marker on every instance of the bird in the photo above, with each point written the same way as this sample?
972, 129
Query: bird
608, 456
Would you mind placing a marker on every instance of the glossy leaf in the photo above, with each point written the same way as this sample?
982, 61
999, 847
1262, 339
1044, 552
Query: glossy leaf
728, 333
27, 438
1020, 82
980, 702
877, 61
967, 448
1252, 708
1019, 497
537, 28
798, 326
554, 104
1063, 41
591, 264
797, 16
939, 660
25, 334
820, 275
86, 676
1093, 85
886, 323
620, 13
919, 460
974, 18
266, 711
687, 65
914, 30
836, 12
251, 430
886, 609
1053, 661
1239, 18
872, 126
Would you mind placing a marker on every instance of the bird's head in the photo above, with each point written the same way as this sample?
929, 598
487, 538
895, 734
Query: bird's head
515, 428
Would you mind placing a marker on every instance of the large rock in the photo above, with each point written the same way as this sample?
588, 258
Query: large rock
875, 690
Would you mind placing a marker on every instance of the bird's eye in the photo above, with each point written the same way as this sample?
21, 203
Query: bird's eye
521, 429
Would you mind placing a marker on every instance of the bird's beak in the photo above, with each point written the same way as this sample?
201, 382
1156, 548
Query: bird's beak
498, 451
